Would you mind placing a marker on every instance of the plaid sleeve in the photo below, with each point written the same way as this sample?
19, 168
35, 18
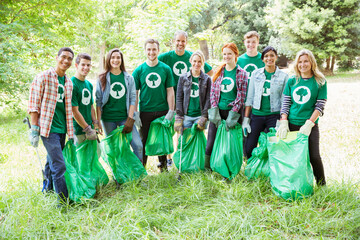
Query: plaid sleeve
212, 96
36, 92
241, 82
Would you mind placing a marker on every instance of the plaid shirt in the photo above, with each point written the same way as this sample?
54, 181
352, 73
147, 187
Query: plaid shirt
241, 84
43, 98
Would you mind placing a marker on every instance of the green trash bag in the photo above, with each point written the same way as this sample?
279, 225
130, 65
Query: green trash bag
116, 152
77, 188
159, 141
258, 165
90, 169
291, 175
226, 157
193, 150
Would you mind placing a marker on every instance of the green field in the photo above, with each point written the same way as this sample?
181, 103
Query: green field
201, 206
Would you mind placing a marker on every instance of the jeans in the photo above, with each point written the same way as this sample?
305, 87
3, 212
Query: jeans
189, 121
136, 143
259, 124
55, 164
314, 152
146, 119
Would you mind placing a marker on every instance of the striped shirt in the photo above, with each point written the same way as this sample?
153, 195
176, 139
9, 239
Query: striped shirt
241, 85
43, 97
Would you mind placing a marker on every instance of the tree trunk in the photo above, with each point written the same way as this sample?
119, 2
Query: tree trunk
327, 63
204, 48
332, 64
102, 57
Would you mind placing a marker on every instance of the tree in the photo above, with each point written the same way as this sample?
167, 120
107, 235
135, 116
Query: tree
153, 78
180, 66
324, 27
117, 88
194, 88
226, 83
302, 93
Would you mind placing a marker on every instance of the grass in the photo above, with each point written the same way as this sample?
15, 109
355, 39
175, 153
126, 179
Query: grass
200, 206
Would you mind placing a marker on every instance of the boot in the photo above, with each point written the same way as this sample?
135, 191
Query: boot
207, 163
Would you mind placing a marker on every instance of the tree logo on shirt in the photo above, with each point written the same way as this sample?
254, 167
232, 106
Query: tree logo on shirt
249, 68
153, 80
194, 90
86, 96
266, 88
180, 68
117, 90
301, 94
61, 93
227, 85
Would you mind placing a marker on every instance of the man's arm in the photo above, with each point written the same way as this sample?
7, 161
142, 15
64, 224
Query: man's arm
170, 97
34, 118
210, 73
79, 117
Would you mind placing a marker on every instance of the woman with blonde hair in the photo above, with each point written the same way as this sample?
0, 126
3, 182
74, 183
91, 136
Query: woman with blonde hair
193, 95
304, 101
227, 96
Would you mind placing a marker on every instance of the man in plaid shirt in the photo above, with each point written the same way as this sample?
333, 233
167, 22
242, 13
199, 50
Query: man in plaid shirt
51, 118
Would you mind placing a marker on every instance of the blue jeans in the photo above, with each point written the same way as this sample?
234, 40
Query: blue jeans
259, 124
136, 143
55, 164
189, 121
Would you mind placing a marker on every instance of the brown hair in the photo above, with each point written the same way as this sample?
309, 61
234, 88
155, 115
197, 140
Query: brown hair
107, 66
82, 56
252, 34
233, 48
151, 40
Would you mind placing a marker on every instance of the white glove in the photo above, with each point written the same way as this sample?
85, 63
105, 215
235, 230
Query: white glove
138, 123
283, 129
306, 128
170, 115
246, 126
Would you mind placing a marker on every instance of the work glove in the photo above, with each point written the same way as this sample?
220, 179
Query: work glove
231, 120
97, 127
34, 134
138, 123
128, 126
90, 133
202, 123
306, 128
214, 116
170, 115
178, 126
246, 126
283, 129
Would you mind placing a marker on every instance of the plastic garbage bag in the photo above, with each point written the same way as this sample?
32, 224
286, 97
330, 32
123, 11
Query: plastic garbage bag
76, 186
193, 150
291, 175
125, 165
159, 141
258, 165
90, 169
227, 155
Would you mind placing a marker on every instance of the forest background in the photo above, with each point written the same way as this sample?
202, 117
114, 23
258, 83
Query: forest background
32, 32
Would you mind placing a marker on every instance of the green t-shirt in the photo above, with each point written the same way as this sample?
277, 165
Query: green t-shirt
58, 124
304, 95
228, 89
82, 98
194, 103
250, 64
152, 83
179, 64
115, 108
265, 108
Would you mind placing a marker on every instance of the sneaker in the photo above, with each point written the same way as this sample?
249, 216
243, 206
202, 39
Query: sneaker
162, 167
169, 162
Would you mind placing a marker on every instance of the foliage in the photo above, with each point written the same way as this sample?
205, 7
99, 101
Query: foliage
324, 27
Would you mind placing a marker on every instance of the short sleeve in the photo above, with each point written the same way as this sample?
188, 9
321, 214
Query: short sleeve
170, 82
207, 68
287, 89
91, 91
74, 98
323, 91
136, 76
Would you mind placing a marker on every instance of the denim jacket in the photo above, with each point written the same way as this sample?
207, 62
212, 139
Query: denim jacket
184, 90
256, 85
102, 97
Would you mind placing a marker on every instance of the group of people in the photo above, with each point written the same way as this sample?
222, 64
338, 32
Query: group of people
248, 89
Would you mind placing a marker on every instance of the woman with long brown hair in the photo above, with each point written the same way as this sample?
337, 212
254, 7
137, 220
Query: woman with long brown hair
115, 99
227, 96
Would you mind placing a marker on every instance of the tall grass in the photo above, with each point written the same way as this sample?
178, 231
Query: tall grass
200, 206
